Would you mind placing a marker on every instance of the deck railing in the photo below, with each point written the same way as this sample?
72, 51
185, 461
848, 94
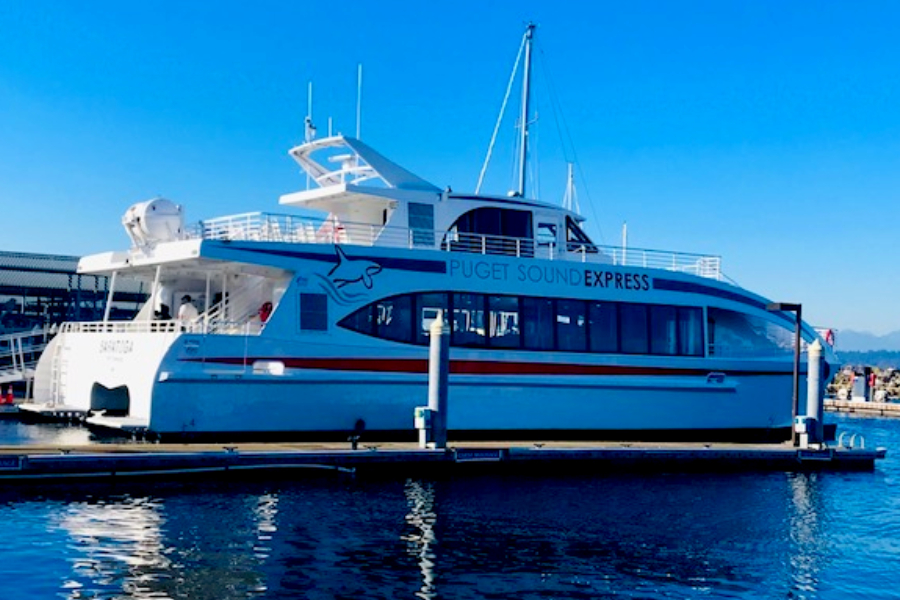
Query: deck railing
219, 326
136, 326
288, 228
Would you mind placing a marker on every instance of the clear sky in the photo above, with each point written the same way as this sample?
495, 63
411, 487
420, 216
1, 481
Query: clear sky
767, 132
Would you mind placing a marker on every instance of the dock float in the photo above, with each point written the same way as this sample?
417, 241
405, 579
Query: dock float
129, 461
882, 409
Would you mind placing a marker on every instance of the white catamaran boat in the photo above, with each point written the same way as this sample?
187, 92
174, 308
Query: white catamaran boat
319, 326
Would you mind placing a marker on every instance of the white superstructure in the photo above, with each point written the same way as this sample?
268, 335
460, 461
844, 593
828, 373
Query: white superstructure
320, 326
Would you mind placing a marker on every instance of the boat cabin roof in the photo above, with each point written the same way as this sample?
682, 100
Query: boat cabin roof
348, 172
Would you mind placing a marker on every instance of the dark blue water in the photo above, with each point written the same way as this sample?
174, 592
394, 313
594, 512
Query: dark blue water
756, 535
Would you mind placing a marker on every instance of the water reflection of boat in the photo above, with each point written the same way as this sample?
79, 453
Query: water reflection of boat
742, 535
552, 334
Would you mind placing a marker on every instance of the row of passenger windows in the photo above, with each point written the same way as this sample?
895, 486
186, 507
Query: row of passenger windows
522, 322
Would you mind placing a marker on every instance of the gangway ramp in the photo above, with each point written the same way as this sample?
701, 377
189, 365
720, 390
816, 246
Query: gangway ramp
19, 353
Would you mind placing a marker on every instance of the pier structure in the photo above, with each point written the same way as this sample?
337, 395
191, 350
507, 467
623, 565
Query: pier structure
134, 461
881, 409
39, 291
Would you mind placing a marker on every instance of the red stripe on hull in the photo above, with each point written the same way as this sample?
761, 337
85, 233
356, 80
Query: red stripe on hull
472, 367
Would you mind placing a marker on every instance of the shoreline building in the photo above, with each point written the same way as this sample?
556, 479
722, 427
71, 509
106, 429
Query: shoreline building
38, 290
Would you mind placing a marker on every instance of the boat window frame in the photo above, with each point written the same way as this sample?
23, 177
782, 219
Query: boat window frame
419, 337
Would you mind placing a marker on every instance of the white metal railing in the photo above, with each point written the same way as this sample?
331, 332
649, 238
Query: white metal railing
136, 326
288, 228
242, 327
19, 353
703, 265
233, 312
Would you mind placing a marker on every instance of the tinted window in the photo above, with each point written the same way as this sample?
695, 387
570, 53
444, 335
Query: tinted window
577, 240
532, 323
468, 320
633, 324
538, 319
504, 321
361, 320
428, 307
421, 222
663, 330
690, 331
492, 230
313, 312
393, 319
603, 326
546, 234
571, 325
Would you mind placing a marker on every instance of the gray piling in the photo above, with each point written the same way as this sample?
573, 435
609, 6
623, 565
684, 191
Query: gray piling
438, 381
814, 397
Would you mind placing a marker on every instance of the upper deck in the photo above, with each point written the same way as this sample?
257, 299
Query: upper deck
267, 227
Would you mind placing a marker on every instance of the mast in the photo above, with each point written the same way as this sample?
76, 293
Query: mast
526, 97
358, 99
570, 199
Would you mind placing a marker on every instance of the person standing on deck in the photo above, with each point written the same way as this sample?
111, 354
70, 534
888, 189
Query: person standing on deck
187, 312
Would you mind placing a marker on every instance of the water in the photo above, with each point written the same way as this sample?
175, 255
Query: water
748, 535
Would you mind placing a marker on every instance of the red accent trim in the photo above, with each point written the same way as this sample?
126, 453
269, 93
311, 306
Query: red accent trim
471, 367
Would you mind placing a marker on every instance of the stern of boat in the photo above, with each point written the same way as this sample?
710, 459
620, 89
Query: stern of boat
104, 367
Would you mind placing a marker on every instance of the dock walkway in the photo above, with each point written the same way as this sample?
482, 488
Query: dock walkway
882, 409
118, 461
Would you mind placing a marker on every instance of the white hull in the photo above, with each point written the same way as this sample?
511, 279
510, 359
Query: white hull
177, 388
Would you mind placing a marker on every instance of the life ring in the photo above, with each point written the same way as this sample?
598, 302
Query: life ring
265, 311
829, 337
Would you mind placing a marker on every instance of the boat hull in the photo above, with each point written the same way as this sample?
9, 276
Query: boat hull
324, 406
192, 386
319, 368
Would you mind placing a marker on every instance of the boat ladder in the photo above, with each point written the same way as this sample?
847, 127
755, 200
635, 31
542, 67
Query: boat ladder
58, 371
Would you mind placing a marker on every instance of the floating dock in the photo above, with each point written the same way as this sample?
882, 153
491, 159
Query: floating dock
883, 409
131, 461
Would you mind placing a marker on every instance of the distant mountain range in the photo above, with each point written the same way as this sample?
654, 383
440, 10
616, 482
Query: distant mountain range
847, 340
874, 358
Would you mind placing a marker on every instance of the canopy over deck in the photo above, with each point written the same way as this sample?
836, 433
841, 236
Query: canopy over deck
356, 171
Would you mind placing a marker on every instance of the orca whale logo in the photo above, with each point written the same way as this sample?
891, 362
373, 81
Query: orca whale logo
353, 270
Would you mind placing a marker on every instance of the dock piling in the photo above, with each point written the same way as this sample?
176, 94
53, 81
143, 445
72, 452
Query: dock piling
438, 381
815, 399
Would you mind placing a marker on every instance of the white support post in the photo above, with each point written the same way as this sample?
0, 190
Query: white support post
225, 306
206, 303
109, 296
154, 291
438, 380
814, 396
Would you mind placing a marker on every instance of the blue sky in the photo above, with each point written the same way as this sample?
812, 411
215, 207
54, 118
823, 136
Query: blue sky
766, 132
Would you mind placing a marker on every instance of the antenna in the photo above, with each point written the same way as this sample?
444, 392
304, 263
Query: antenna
570, 199
309, 129
358, 98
